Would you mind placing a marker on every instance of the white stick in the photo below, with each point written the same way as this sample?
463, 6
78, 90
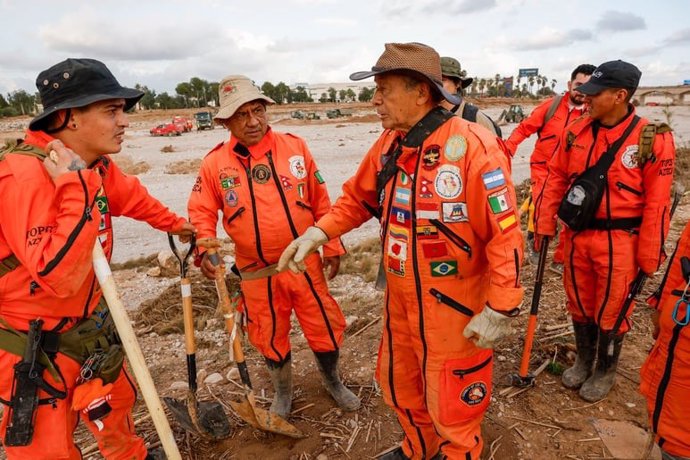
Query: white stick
133, 351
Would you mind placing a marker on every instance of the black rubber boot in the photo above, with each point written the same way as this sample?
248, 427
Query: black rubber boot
328, 365
599, 384
586, 343
281, 376
396, 454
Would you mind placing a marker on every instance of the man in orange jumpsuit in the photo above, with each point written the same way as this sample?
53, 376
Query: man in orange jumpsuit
451, 249
53, 213
549, 120
666, 372
270, 190
628, 228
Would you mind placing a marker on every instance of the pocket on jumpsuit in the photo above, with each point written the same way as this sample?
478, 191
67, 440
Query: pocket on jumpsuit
465, 389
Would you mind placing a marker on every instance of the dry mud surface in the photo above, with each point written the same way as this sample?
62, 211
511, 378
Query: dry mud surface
544, 422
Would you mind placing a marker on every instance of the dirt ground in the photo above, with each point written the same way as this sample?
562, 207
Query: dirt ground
544, 422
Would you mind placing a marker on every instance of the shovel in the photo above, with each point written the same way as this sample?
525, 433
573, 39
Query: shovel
205, 419
524, 378
246, 409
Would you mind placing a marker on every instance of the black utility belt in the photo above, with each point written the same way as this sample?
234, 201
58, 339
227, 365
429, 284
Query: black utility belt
626, 223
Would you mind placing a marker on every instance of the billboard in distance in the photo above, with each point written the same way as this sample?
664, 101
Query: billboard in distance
528, 72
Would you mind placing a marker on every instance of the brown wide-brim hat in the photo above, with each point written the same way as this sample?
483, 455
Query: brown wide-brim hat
413, 57
75, 83
235, 91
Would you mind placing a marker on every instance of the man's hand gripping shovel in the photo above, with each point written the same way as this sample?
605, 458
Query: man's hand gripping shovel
246, 409
205, 419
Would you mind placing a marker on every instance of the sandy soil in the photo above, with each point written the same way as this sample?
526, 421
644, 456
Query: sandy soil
545, 422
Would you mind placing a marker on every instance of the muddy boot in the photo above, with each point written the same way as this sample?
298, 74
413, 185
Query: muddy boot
281, 376
328, 365
586, 343
395, 454
608, 351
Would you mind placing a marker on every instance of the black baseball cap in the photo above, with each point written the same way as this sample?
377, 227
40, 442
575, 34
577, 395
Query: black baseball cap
612, 74
76, 83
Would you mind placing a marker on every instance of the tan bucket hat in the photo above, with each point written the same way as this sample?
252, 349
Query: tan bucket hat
415, 57
235, 90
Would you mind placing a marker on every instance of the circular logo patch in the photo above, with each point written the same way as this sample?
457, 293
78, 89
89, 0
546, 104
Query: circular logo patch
261, 174
431, 156
474, 394
448, 183
231, 198
629, 157
456, 147
297, 166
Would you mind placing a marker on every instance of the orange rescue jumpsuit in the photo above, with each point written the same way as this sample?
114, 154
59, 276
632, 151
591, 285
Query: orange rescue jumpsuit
600, 264
269, 194
451, 244
549, 135
666, 372
50, 227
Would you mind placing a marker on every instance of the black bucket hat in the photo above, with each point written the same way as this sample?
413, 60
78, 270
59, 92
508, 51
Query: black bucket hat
76, 83
420, 59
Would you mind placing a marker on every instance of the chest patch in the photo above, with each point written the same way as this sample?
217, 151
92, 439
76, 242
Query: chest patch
455, 148
261, 174
297, 166
629, 157
448, 183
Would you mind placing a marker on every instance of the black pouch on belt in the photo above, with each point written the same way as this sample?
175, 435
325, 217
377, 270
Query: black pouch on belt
28, 379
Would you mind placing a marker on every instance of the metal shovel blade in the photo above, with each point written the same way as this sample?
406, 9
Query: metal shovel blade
205, 419
265, 420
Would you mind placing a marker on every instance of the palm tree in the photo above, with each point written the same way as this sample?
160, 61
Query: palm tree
530, 80
497, 77
553, 85
482, 85
544, 82
473, 87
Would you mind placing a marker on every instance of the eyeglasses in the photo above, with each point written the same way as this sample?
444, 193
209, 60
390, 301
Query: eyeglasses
244, 116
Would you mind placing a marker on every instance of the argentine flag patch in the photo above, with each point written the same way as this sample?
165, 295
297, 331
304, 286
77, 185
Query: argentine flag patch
493, 179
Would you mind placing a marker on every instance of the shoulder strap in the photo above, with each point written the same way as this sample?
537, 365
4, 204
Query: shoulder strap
552, 108
20, 147
647, 136
469, 112
607, 158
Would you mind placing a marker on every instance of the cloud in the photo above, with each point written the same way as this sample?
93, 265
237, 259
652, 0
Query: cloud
620, 21
411, 8
547, 38
678, 37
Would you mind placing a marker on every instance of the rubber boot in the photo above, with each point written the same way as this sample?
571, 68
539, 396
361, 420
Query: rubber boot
281, 376
396, 454
328, 365
586, 343
599, 384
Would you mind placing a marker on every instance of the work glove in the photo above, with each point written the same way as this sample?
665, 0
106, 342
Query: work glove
487, 327
293, 256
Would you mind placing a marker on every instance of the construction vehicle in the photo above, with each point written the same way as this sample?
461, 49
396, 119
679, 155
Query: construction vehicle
514, 114
302, 115
338, 113
204, 120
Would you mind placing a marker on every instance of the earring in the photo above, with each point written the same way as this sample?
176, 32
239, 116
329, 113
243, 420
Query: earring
74, 125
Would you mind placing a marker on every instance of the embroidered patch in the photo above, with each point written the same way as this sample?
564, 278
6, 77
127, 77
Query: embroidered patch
507, 222
493, 179
434, 249
431, 156
398, 232
455, 148
499, 201
427, 211
231, 198
261, 174
455, 212
404, 178
426, 232
229, 182
425, 188
444, 268
402, 196
285, 182
297, 166
629, 157
102, 204
400, 216
448, 183
300, 189
197, 185
397, 249
105, 223
474, 394
396, 266
319, 179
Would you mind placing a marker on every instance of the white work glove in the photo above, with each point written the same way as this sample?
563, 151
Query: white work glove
293, 256
487, 327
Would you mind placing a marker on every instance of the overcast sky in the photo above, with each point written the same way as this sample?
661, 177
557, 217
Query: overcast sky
161, 43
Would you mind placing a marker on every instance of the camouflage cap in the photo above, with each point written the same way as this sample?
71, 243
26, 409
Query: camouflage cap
450, 67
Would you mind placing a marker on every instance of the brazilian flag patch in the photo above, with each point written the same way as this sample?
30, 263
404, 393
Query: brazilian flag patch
444, 268
319, 179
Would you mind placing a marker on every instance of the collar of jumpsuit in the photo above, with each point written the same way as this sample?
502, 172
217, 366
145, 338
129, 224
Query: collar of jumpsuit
259, 149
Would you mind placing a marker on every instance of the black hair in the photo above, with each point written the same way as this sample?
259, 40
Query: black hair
631, 93
585, 69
